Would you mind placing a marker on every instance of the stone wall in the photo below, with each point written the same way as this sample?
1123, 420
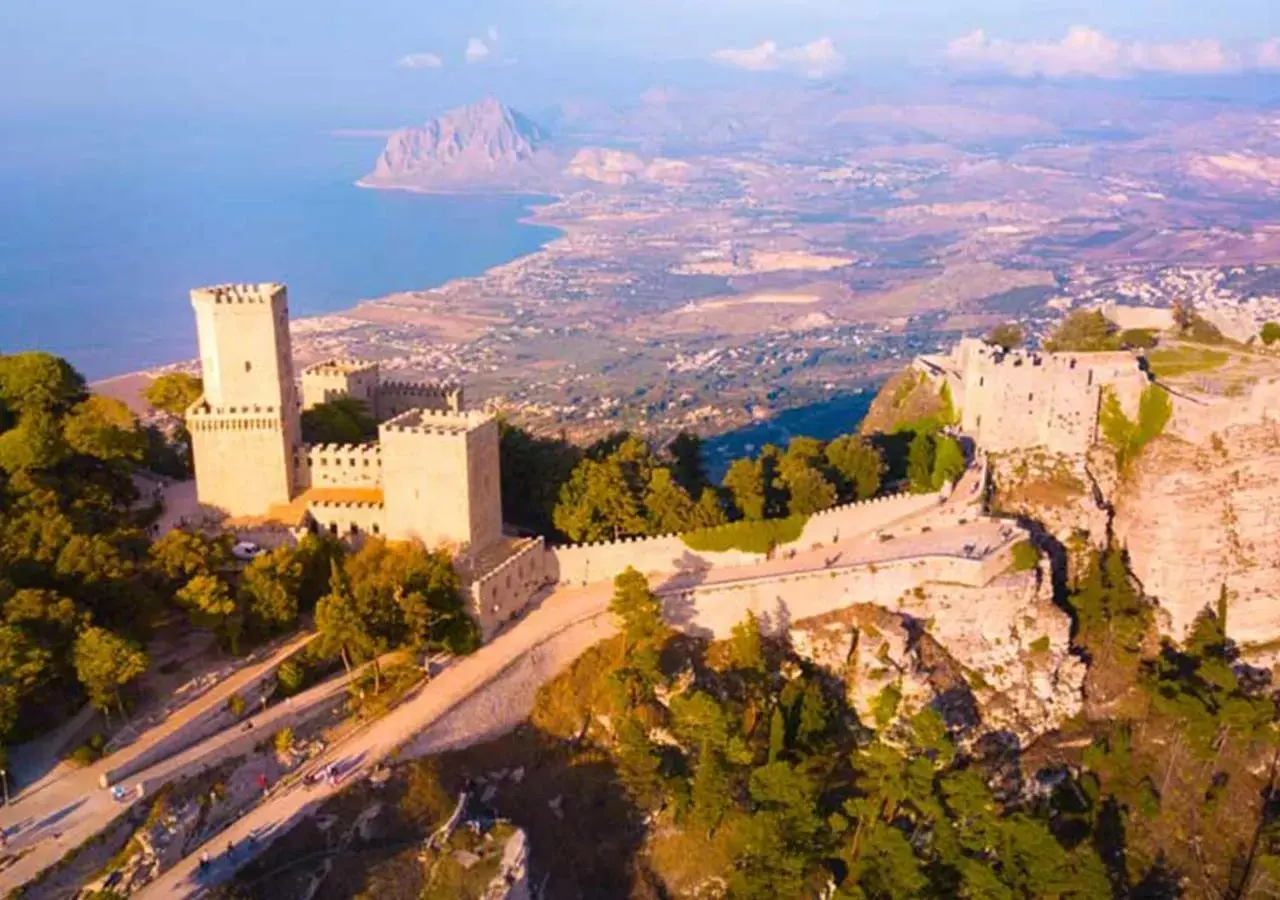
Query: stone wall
243, 462
503, 593
1022, 399
1152, 318
331, 380
396, 397
855, 519
348, 518
589, 563
339, 465
440, 478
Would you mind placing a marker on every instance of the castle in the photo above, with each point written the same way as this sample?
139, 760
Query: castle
432, 475
1017, 399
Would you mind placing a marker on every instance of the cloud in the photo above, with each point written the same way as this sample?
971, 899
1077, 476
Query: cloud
420, 61
1268, 55
1088, 53
493, 34
815, 60
477, 51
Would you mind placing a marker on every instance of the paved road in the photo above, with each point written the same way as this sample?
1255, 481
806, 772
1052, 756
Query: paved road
561, 610
59, 813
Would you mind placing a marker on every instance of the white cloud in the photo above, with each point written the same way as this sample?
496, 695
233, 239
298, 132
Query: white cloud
1268, 54
815, 60
493, 34
1088, 53
477, 51
420, 61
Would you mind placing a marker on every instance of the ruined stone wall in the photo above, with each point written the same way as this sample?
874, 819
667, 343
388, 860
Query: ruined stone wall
440, 478
1022, 399
397, 397
503, 593
338, 465
332, 380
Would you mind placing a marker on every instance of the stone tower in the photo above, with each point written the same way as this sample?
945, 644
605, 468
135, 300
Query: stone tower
246, 426
440, 477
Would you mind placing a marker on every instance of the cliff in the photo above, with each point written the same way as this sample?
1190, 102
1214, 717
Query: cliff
486, 145
906, 398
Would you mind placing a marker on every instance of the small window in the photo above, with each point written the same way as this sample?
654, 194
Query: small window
1091, 378
978, 423
376, 529
982, 381
1030, 397
248, 366
333, 528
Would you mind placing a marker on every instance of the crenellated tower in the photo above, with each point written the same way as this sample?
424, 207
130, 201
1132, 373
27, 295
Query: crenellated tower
245, 427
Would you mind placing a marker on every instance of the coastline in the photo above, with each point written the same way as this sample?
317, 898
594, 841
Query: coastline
127, 386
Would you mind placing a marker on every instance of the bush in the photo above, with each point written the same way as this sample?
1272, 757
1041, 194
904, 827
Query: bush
88, 753
759, 536
1270, 333
1025, 556
236, 705
1138, 338
1084, 331
284, 740
1040, 644
292, 677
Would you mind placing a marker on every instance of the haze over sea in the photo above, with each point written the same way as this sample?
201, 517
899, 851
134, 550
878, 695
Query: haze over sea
103, 231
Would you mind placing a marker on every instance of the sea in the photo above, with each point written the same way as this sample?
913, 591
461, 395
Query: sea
104, 231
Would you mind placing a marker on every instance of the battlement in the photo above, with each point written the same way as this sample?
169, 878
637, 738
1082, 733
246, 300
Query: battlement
201, 409
437, 422
370, 450
420, 388
224, 294
339, 368
988, 355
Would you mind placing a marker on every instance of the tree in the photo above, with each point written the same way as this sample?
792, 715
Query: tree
211, 604
920, 462
173, 393
689, 470
859, 465
341, 630
745, 483
809, 490
1270, 333
105, 663
180, 555
746, 647
598, 503
345, 420
105, 428
36, 442
271, 585
1006, 336
1084, 331
533, 472
637, 608
667, 505
948, 461
709, 512
39, 382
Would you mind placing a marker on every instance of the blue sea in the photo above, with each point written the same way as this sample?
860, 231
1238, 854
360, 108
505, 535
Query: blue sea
102, 234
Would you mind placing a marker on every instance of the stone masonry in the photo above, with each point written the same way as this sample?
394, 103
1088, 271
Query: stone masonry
1018, 399
432, 475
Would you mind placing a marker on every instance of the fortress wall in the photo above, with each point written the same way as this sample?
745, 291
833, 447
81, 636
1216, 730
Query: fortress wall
855, 519
590, 563
503, 593
1149, 317
396, 397
343, 519
339, 465
326, 382
484, 486
780, 600
221, 447
1197, 420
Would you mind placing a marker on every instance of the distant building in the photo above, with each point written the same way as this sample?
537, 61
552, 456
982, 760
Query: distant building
1019, 399
432, 475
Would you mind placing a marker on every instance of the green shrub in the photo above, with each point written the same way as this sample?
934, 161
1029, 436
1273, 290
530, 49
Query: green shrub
1040, 644
1138, 338
1025, 556
88, 753
292, 677
236, 705
749, 536
885, 706
1270, 333
1127, 437
284, 740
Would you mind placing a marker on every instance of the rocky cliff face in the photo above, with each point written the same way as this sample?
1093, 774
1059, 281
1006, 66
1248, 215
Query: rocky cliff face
991, 659
1197, 516
484, 145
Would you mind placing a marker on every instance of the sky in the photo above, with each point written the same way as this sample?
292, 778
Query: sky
377, 62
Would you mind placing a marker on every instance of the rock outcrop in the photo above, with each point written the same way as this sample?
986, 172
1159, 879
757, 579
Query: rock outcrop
1197, 516
991, 659
617, 167
486, 145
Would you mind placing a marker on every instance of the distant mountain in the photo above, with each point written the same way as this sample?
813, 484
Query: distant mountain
485, 145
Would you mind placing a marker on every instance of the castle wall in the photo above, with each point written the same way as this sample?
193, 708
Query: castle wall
503, 593
440, 477
1145, 317
244, 428
338, 465
326, 382
397, 397
243, 463
855, 519
347, 519
591, 563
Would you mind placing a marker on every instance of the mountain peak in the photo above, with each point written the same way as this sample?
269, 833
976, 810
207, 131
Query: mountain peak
487, 143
